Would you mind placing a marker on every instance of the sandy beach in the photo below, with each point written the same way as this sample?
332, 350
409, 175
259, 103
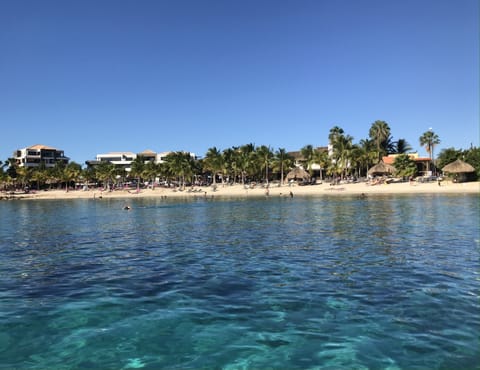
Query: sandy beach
259, 191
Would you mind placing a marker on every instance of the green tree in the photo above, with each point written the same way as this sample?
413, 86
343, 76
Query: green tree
343, 150
12, 167
282, 162
335, 132
230, 168
264, 155
308, 154
180, 164
71, 173
429, 139
321, 158
448, 155
151, 171
379, 133
365, 156
472, 157
137, 169
405, 166
246, 161
213, 162
106, 173
402, 146
57, 173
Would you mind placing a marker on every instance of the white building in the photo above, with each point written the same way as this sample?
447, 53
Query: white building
125, 159
35, 155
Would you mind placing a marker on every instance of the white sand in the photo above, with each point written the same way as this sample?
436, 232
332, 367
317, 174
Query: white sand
274, 191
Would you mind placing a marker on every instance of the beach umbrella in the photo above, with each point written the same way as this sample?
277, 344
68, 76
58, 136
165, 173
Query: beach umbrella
381, 168
298, 173
458, 166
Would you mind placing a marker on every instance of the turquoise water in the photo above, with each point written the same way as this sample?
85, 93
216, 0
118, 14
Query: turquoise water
388, 282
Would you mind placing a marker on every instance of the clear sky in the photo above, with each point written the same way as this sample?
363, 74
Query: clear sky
93, 76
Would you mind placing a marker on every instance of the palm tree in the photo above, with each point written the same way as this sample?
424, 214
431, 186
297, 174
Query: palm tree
402, 146
106, 172
342, 154
335, 132
281, 162
150, 171
321, 158
213, 162
71, 173
181, 165
229, 167
57, 173
379, 133
264, 155
246, 160
12, 167
429, 139
366, 156
308, 154
137, 169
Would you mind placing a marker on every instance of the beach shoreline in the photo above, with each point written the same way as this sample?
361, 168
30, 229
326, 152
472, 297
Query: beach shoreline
274, 190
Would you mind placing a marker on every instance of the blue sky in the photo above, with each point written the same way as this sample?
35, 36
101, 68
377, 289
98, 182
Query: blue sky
97, 76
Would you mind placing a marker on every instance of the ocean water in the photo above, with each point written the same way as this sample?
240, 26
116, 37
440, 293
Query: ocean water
387, 282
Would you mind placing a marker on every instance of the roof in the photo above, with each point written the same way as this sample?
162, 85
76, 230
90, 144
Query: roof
390, 159
147, 152
458, 166
40, 147
117, 153
381, 168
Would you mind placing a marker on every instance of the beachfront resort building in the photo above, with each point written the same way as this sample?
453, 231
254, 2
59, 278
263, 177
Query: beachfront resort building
36, 155
424, 164
124, 159
120, 159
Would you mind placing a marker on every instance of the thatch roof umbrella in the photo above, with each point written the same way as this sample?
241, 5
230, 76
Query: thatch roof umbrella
297, 173
458, 166
381, 168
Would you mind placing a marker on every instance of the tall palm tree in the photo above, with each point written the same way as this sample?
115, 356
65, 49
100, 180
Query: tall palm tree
181, 165
308, 154
264, 155
379, 133
343, 149
230, 163
321, 158
213, 162
71, 172
246, 160
429, 139
281, 162
402, 146
137, 169
366, 156
58, 173
105, 172
335, 132
150, 171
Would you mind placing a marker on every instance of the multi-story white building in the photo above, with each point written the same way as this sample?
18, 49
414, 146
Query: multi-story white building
125, 159
35, 155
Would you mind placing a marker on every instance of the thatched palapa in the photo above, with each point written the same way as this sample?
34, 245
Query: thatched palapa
297, 173
381, 168
458, 166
